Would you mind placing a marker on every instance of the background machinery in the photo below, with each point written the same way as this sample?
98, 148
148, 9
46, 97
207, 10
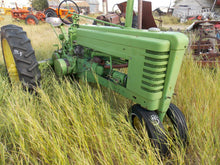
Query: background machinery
206, 44
119, 13
28, 15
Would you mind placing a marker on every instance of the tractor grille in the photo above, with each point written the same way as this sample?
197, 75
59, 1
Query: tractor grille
154, 72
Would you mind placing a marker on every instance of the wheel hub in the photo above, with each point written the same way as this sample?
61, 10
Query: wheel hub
31, 21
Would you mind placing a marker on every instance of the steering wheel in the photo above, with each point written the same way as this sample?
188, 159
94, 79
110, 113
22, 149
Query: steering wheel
65, 12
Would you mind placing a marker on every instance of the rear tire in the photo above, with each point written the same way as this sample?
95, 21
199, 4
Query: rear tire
31, 20
19, 57
149, 119
50, 13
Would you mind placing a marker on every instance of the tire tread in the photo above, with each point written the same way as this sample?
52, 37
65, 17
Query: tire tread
26, 63
155, 133
179, 122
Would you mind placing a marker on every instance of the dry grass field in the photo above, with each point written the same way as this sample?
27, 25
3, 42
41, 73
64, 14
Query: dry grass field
79, 123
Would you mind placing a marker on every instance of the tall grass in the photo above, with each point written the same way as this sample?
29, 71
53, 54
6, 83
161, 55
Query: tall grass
72, 122
198, 92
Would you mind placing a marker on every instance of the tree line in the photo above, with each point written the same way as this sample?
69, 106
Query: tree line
39, 4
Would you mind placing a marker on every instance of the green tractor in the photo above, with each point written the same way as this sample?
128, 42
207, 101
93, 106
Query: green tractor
95, 54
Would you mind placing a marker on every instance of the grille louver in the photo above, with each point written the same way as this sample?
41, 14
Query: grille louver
154, 72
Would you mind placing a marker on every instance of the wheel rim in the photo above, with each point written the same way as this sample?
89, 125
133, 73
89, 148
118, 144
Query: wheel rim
178, 124
31, 21
9, 61
169, 127
49, 14
137, 124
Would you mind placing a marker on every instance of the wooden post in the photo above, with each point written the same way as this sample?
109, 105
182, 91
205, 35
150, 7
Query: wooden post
140, 13
213, 5
105, 6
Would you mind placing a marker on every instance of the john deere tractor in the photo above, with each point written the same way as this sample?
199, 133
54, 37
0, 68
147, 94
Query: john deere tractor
95, 54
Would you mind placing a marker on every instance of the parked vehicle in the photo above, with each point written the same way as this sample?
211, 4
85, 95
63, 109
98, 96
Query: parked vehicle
28, 15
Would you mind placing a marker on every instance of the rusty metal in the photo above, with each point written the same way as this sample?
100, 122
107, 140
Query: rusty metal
146, 18
206, 50
112, 18
102, 62
122, 7
118, 66
196, 25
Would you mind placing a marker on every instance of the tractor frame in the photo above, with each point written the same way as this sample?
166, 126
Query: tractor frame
96, 54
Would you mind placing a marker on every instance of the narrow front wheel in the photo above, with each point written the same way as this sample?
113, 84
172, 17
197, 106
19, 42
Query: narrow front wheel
178, 122
140, 118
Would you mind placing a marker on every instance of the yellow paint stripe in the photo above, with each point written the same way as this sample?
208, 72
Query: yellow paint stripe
9, 61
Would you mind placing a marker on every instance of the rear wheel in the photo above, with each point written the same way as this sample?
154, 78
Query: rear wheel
140, 118
19, 57
50, 13
31, 20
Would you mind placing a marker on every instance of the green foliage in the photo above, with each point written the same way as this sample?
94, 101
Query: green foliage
39, 5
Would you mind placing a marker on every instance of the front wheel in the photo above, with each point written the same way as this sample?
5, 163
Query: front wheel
140, 118
179, 123
19, 57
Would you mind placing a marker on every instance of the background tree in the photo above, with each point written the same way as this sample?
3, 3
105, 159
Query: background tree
39, 4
